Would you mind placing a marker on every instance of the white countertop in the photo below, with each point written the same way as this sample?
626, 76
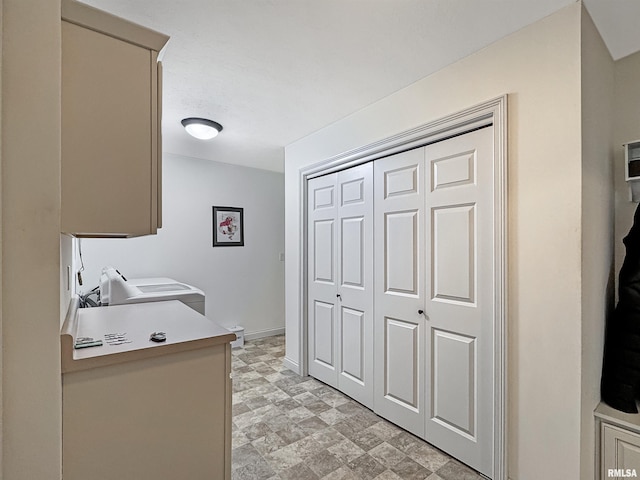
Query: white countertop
185, 329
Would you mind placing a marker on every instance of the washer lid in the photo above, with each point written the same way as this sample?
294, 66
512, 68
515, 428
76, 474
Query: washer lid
163, 287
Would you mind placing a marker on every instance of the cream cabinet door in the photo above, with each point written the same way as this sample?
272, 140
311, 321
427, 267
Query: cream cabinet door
110, 145
620, 452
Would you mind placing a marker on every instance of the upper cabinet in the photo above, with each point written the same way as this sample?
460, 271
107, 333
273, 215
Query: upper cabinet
111, 121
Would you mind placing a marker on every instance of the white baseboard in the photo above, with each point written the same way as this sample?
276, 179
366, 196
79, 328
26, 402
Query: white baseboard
264, 333
291, 365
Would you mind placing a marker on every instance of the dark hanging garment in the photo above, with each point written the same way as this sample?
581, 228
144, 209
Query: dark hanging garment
620, 386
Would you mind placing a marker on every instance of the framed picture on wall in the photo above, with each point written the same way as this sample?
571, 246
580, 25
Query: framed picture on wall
228, 227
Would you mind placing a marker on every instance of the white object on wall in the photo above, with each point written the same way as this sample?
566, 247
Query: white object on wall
239, 341
632, 169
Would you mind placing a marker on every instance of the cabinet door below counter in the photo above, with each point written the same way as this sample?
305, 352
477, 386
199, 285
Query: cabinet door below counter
620, 451
162, 418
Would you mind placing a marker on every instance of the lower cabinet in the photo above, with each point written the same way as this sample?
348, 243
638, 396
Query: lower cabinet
161, 418
619, 443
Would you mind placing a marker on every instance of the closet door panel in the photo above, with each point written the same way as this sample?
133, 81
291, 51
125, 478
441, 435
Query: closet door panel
353, 347
323, 235
322, 279
353, 249
460, 303
401, 180
400, 362
454, 396
355, 285
453, 253
400, 252
340, 280
399, 291
323, 334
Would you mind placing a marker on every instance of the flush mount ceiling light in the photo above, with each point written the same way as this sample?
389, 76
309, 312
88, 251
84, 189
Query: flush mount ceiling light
201, 128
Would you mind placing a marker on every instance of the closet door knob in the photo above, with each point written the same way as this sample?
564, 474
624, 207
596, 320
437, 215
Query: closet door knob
420, 312
338, 296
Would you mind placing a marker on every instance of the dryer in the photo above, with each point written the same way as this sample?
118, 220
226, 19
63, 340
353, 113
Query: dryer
115, 289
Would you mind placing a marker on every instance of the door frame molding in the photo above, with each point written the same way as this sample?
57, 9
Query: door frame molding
492, 112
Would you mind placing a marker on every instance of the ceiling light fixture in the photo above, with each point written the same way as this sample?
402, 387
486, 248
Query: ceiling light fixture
201, 128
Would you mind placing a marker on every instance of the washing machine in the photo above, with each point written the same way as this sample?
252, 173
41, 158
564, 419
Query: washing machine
115, 289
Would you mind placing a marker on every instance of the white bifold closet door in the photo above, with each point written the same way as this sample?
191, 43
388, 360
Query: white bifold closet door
424, 218
434, 287
340, 281
400, 378
460, 286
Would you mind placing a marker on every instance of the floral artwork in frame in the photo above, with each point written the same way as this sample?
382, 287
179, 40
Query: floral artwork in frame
228, 227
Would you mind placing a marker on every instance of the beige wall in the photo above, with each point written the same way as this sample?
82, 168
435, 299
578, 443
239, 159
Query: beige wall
597, 224
30, 155
539, 67
1, 264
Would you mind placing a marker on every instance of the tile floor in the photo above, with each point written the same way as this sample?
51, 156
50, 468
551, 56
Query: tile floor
287, 427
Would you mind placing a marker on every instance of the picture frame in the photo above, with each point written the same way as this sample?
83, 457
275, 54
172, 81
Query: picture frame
228, 227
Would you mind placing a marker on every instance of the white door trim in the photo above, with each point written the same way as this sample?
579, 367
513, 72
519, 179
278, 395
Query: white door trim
492, 112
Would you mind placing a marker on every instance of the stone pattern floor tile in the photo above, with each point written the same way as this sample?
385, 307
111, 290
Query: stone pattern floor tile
287, 427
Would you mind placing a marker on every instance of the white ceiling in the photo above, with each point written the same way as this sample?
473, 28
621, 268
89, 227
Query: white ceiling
274, 71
